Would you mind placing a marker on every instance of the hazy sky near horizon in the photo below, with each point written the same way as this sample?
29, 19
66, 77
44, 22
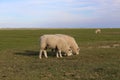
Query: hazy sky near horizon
59, 13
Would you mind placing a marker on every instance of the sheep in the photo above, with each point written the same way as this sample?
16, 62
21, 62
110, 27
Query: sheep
54, 42
98, 31
71, 42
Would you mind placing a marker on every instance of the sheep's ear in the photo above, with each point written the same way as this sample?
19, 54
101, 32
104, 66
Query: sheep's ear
78, 49
69, 50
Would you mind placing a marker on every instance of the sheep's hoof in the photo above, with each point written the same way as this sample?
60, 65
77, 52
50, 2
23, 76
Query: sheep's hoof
40, 58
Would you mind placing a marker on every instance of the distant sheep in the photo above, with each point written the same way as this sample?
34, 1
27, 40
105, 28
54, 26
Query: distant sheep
98, 31
54, 42
71, 42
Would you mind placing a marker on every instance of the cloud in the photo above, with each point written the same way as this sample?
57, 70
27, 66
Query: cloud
59, 12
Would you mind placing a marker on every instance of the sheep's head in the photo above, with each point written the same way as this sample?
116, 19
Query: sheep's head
69, 52
77, 51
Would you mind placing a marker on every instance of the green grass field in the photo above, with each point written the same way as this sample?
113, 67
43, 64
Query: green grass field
99, 57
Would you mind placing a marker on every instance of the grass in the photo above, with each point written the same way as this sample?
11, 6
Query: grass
99, 58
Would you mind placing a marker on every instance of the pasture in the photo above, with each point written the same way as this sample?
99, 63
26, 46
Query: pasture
99, 57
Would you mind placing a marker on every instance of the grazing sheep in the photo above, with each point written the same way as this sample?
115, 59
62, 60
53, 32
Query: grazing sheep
54, 42
98, 31
71, 42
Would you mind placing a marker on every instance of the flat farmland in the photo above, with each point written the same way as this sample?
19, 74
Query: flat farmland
99, 57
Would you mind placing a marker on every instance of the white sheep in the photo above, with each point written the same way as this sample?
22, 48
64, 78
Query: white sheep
98, 31
71, 42
54, 42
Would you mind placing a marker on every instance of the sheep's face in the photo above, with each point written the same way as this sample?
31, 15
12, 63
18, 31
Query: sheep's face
77, 51
69, 52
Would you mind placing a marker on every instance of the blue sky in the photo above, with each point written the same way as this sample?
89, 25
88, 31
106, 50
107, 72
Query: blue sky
59, 13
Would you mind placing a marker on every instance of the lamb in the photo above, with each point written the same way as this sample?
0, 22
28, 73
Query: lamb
54, 42
98, 31
71, 42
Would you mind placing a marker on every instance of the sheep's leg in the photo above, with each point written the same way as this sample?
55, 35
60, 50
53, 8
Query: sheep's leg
60, 53
45, 53
40, 54
57, 55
